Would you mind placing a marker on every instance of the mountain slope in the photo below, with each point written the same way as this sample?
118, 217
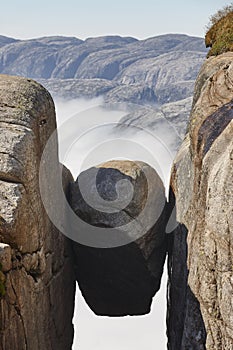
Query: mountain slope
151, 72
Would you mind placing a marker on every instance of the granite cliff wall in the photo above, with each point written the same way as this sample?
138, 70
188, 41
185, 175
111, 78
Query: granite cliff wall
36, 279
201, 251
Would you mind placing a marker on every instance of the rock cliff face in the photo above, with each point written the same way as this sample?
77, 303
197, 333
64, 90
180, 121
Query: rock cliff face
122, 279
200, 258
37, 284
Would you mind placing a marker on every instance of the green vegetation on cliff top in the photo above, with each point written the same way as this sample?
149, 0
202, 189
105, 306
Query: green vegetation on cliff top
219, 36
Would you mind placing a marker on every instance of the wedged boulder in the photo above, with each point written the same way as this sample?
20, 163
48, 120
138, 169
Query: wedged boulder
200, 257
120, 256
37, 281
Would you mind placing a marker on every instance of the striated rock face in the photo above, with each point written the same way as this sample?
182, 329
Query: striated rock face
36, 305
122, 279
200, 267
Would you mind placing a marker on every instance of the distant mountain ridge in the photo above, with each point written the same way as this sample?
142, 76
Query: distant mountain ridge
101, 57
5, 40
151, 72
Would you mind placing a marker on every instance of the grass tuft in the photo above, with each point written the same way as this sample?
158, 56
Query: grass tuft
219, 36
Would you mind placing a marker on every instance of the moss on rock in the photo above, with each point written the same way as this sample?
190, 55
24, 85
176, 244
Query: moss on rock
219, 36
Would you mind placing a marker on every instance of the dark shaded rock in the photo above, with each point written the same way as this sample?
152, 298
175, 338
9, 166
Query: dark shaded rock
121, 276
213, 126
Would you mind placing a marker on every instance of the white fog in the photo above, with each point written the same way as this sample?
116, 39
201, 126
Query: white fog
91, 138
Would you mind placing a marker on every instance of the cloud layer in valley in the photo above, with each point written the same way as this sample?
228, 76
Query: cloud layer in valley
97, 138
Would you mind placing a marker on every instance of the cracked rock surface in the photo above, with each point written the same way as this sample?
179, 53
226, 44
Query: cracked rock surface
37, 308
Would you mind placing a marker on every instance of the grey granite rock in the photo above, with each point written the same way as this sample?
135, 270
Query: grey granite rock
37, 308
200, 265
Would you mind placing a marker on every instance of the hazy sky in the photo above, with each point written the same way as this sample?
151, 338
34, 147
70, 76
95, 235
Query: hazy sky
87, 18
